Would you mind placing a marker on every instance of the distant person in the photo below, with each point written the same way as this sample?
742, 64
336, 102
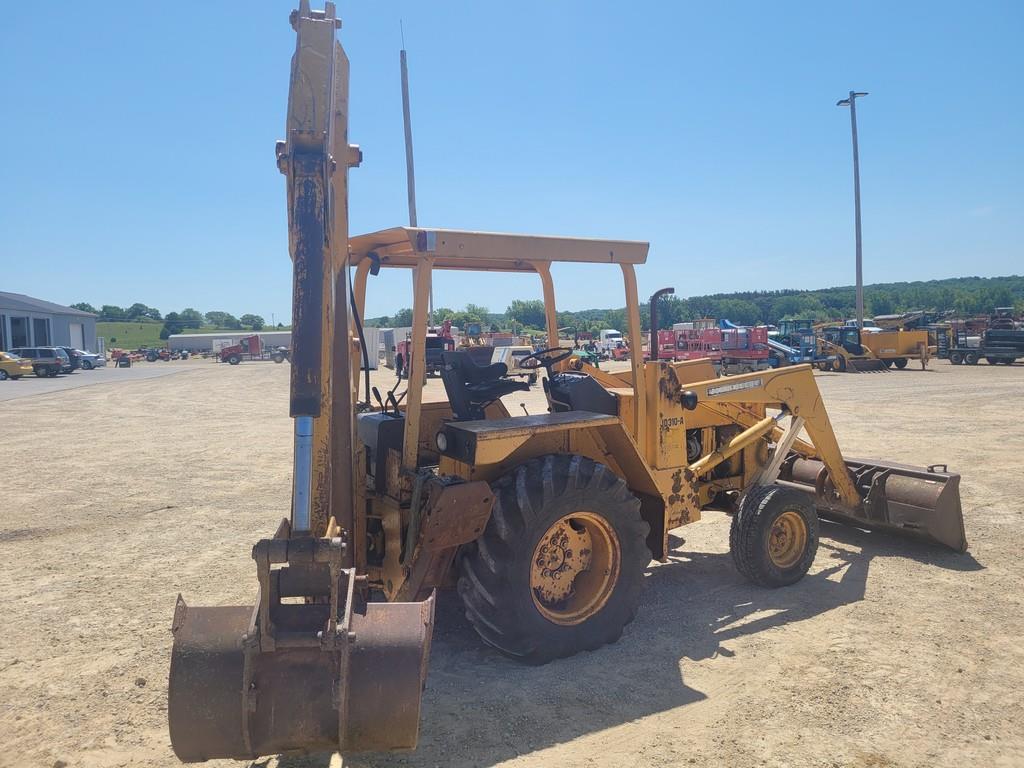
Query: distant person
399, 364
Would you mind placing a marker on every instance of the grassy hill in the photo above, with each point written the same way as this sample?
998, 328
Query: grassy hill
135, 334
130, 335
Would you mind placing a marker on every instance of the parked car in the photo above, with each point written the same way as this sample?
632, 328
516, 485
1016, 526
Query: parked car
91, 360
13, 367
45, 361
74, 359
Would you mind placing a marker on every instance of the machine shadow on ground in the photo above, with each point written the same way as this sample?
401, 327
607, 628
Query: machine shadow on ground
693, 607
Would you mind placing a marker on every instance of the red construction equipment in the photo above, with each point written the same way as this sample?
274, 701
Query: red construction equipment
249, 346
736, 349
438, 340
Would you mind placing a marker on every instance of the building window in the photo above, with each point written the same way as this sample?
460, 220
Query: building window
19, 332
41, 331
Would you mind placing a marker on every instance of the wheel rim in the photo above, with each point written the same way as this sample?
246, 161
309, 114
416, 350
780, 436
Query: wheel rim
575, 568
787, 539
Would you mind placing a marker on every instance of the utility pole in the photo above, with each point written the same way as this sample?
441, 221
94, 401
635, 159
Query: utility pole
851, 102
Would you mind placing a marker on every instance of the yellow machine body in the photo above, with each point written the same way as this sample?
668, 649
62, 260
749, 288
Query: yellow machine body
392, 497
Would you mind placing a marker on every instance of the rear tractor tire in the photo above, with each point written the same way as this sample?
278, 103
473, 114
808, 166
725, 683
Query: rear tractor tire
559, 567
901, 362
956, 358
774, 536
839, 365
971, 358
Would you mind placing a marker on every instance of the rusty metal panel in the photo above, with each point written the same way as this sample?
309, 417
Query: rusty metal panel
455, 514
204, 697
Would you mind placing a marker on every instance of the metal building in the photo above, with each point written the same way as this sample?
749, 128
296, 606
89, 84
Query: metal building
30, 322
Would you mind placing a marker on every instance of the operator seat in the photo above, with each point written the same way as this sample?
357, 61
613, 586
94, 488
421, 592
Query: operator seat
578, 391
471, 387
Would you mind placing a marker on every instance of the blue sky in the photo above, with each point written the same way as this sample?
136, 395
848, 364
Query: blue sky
139, 143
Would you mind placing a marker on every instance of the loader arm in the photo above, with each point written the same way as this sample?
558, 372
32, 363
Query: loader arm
920, 501
793, 389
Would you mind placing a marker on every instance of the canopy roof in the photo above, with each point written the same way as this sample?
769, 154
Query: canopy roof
460, 249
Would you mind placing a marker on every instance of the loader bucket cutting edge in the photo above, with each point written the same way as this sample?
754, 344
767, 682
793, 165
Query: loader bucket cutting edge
867, 366
916, 501
227, 699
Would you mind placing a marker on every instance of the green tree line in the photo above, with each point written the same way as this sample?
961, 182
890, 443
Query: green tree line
958, 296
174, 322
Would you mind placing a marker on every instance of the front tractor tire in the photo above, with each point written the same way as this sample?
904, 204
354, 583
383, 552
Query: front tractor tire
234, 360
774, 536
559, 567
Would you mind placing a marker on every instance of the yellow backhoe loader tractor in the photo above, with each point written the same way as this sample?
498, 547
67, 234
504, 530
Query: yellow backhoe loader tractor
842, 343
543, 523
858, 350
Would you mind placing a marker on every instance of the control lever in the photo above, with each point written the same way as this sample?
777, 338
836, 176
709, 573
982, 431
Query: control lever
376, 396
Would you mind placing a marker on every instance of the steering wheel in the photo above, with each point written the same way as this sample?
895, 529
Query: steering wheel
545, 359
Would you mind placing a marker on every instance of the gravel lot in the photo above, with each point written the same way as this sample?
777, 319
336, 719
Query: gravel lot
120, 495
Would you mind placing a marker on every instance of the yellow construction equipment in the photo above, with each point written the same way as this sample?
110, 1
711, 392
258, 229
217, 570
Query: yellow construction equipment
898, 347
544, 523
858, 351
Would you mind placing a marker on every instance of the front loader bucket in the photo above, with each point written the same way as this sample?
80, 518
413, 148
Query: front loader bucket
916, 501
323, 673
866, 365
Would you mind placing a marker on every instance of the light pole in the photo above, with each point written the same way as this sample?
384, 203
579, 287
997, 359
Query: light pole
851, 102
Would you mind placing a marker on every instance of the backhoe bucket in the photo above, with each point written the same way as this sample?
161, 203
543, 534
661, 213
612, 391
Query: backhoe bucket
916, 501
326, 675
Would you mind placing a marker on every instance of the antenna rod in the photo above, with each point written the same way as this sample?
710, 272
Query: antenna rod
409, 166
410, 171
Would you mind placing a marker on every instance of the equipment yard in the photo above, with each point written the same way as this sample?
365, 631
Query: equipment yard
890, 652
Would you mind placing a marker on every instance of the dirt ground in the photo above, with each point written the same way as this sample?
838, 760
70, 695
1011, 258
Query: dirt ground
118, 496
